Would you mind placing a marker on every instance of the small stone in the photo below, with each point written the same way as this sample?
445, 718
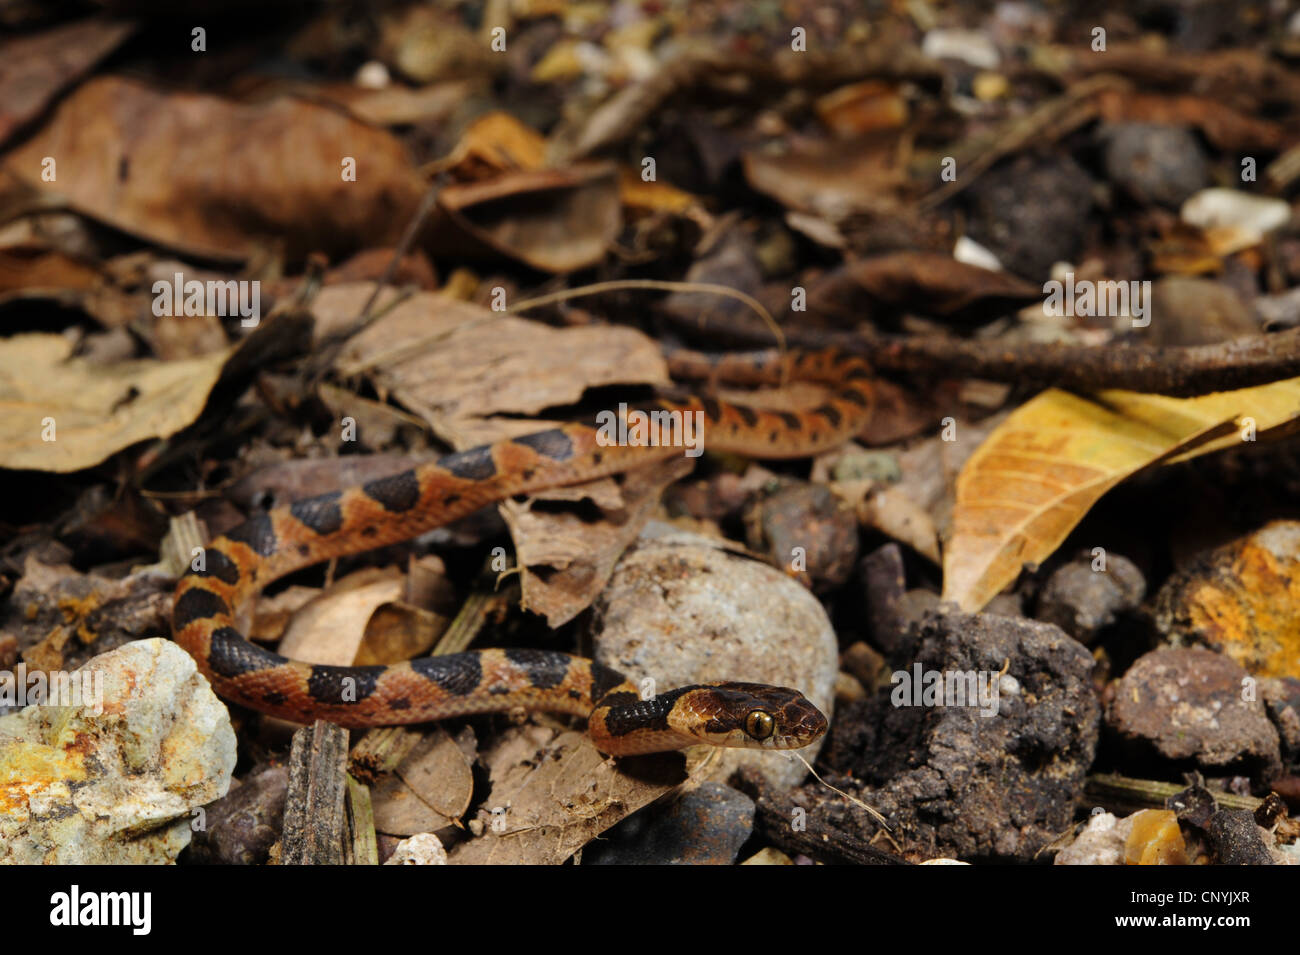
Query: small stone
1236, 839
1188, 705
1100, 843
865, 665
1240, 600
704, 826
1148, 837
1253, 216
805, 529
884, 585
423, 848
1156, 164
680, 610
1032, 211
1083, 601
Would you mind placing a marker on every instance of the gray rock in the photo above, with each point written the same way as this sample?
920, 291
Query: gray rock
1083, 602
680, 610
704, 826
1188, 705
1156, 163
1032, 212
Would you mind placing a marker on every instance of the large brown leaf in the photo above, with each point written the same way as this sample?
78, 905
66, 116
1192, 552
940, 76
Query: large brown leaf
218, 179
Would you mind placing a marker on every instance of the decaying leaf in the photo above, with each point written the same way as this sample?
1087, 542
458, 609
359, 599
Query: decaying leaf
555, 220
429, 790
926, 282
452, 361
330, 627
579, 555
542, 810
1035, 477
59, 413
217, 179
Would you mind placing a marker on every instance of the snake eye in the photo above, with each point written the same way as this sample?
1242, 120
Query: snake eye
759, 724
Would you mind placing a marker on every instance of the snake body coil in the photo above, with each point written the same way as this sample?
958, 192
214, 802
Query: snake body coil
396, 508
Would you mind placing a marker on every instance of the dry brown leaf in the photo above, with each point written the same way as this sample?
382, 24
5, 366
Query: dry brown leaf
429, 790
452, 361
579, 554
399, 631
862, 108
550, 807
1225, 127
832, 179
220, 179
492, 144
397, 105
555, 220
330, 627
94, 410
1033, 479
923, 282
34, 69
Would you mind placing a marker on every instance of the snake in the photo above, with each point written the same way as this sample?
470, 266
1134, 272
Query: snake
234, 567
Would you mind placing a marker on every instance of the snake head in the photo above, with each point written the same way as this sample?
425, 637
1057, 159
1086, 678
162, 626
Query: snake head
749, 716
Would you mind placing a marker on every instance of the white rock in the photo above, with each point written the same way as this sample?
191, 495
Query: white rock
968, 46
680, 610
119, 785
1250, 216
423, 848
1100, 843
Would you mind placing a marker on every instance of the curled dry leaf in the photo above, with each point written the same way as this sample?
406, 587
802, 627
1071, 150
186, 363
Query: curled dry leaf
555, 220
1035, 477
59, 413
541, 811
218, 179
925, 282
832, 179
330, 628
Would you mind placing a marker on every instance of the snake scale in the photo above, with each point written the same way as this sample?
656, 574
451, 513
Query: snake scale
267, 546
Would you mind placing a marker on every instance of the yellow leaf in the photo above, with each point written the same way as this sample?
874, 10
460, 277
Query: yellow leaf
59, 413
1035, 477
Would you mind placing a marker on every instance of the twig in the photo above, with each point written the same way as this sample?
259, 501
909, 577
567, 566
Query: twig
314, 815
1128, 794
